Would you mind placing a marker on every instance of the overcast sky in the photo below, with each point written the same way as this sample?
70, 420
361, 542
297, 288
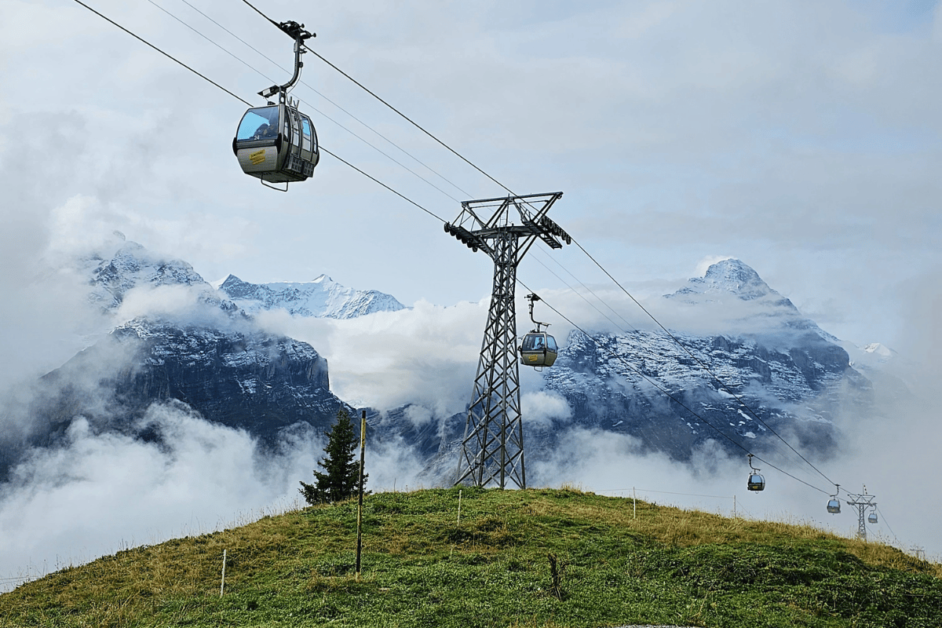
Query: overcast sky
800, 137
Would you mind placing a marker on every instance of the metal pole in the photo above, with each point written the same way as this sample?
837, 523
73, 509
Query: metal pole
734, 506
222, 584
360, 498
634, 504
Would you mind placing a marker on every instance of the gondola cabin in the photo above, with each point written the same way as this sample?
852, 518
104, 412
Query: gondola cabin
756, 482
872, 517
538, 349
834, 506
277, 144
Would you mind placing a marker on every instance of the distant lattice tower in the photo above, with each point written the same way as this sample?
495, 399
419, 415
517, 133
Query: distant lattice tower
862, 503
504, 229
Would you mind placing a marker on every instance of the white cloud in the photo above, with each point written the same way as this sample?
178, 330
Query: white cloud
68, 505
425, 355
541, 407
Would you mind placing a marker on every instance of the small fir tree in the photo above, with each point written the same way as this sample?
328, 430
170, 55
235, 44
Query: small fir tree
341, 474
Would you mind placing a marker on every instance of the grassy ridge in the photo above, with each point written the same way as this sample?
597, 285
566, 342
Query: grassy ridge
519, 558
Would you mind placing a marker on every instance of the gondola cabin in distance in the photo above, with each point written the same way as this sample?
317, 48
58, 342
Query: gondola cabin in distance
538, 348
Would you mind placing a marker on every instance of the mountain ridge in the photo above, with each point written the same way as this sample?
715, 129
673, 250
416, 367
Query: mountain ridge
321, 298
799, 385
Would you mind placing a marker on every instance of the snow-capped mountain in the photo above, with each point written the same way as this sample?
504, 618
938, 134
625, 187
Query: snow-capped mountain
134, 266
237, 376
785, 369
788, 373
730, 276
201, 350
322, 298
734, 285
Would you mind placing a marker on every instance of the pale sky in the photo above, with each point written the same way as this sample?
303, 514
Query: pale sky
801, 137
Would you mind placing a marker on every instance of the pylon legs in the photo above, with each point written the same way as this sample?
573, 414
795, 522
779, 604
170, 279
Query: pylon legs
492, 447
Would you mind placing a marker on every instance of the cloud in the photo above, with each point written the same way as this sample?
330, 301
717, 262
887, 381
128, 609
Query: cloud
193, 305
425, 355
544, 409
418, 415
67, 505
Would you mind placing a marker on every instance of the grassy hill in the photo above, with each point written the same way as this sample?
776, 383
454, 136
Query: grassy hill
518, 558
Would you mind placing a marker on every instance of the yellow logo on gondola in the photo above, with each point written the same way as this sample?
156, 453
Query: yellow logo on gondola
533, 358
257, 157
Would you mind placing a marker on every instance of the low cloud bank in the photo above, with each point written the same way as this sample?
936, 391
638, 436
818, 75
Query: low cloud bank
102, 492
426, 355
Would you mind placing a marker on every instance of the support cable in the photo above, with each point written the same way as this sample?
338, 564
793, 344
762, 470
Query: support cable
174, 59
242, 61
590, 291
410, 120
579, 294
262, 14
322, 95
205, 78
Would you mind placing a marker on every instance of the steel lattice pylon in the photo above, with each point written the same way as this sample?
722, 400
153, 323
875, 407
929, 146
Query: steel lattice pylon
492, 447
862, 503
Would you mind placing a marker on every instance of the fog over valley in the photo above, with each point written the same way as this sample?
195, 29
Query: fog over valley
95, 462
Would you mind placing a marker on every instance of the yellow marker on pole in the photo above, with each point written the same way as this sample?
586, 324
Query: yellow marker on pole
360, 499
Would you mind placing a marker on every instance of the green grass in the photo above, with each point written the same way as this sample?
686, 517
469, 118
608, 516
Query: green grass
519, 558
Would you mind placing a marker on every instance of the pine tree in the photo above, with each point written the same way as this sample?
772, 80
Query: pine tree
341, 474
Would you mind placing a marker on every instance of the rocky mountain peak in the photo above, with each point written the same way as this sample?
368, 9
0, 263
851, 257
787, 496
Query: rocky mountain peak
735, 276
730, 276
321, 297
132, 266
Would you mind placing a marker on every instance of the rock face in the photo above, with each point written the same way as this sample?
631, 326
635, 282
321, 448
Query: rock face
208, 354
243, 379
775, 370
323, 298
643, 384
789, 374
